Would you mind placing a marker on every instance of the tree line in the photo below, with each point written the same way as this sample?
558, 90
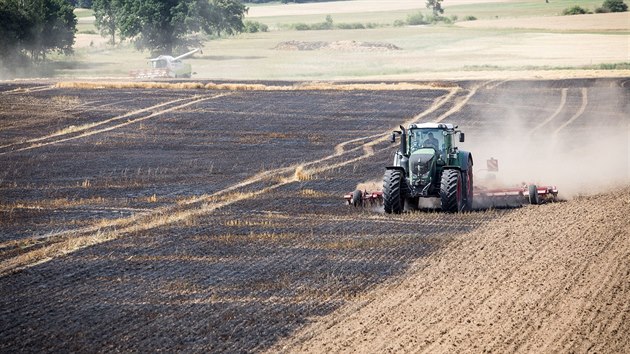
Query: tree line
30, 29
162, 26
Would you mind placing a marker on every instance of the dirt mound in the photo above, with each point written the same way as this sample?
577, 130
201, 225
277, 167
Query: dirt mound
552, 278
337, 46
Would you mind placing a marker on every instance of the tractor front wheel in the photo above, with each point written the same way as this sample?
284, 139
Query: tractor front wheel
452, 191
393, 193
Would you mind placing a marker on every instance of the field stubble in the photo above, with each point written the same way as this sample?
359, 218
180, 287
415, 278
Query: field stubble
224, 217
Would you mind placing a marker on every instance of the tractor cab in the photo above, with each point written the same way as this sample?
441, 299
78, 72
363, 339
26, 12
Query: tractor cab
428, 164
433, 135
426, 138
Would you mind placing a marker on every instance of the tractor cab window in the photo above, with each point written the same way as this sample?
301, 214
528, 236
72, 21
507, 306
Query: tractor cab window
427, 138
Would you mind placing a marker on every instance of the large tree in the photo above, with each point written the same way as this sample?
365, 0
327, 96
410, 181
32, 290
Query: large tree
36, 27
165, 25
107, 13
615, 6
435, 6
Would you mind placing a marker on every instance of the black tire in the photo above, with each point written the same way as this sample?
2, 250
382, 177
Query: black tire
468, 175
452, 191
533, 194
393, 192
357, 198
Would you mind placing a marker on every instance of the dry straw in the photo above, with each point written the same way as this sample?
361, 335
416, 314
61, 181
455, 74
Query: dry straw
307, 86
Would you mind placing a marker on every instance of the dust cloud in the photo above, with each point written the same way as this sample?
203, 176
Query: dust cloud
370, 186
583, 150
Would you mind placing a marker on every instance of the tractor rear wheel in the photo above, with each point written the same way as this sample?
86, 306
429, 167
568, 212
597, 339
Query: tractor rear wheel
469, 193
393, 192
533, 194
452, 191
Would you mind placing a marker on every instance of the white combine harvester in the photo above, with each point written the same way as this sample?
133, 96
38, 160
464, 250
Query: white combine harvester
166, 66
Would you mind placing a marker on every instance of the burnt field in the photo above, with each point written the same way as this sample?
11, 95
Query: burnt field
212, 219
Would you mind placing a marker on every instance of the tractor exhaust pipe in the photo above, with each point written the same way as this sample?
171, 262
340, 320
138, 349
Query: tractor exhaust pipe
403, 141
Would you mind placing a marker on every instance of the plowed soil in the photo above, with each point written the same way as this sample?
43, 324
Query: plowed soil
210, 220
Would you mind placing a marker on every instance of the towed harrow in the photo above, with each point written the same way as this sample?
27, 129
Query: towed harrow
525, 194
483, 196
429, 164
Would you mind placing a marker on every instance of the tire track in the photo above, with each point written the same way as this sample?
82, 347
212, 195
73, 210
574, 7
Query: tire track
88, 129
18, 91
71, 240
563, 101
577, 114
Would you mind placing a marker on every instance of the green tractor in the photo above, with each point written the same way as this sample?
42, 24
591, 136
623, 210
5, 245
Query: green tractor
429, 165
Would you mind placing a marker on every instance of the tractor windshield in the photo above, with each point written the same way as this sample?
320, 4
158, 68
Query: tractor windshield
426, 138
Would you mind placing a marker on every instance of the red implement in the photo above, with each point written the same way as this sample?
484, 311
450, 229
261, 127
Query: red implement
364, 198
529, 193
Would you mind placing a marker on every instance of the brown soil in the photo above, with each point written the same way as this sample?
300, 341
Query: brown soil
545, 279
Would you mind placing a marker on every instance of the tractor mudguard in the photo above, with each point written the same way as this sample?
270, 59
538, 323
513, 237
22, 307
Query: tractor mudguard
464, 157
402, 169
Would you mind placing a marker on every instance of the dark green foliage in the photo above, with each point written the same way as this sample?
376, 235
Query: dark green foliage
575, 10
356, 25
107, 14
399, 23
416, 19
432, 19
287, 1
301, 27
419, 19
435, 6
615, 5
328, 24
255, 26
470, 18
165, 25
86, 4
14, 33
35, 28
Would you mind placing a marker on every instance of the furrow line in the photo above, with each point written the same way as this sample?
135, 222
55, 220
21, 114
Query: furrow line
70, 241
74, 130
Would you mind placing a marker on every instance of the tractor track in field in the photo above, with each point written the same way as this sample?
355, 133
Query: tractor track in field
237, 239
53, 245
563, 101
577, 115
44, 251
73, 133
21, 91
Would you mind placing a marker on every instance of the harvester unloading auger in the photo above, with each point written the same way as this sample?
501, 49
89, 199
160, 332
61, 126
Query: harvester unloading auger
429, 165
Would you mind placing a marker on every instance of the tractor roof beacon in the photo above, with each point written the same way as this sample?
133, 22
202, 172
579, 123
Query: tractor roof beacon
428, 165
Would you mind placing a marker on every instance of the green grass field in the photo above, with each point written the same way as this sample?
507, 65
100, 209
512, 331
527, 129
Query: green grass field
424, 49
481, 11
